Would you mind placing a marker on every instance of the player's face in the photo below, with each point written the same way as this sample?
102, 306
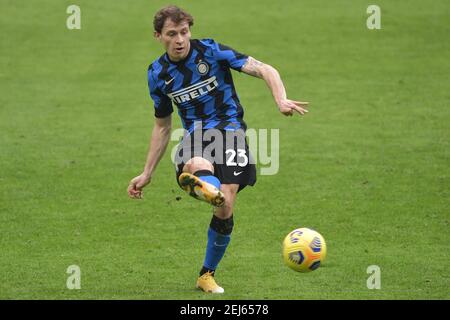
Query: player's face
175, 39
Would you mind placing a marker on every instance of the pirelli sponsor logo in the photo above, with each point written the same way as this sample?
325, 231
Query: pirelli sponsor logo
197, 90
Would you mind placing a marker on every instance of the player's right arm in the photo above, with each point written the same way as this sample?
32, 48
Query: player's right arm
160, 135
158, 145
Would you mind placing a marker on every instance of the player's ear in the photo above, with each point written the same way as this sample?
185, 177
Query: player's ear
157, 35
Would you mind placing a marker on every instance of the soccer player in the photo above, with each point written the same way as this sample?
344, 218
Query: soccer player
195, 75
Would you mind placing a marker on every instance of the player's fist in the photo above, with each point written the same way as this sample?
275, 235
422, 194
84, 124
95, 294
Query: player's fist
137, 184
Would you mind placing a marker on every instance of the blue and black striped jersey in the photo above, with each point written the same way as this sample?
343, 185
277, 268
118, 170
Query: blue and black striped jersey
201, 86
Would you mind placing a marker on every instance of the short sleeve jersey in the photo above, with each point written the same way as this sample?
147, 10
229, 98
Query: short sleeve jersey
201, 86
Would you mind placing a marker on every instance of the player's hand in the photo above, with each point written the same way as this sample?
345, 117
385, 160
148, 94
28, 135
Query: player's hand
137, 184
288, 107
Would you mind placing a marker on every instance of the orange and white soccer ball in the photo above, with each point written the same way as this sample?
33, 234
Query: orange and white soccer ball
304, 250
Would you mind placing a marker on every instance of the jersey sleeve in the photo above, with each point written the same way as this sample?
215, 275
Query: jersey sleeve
162, 103
227, 55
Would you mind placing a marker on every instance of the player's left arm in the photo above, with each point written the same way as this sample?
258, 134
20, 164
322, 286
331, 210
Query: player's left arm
273, 80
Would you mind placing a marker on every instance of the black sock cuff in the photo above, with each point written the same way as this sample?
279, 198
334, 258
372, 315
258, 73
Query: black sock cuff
201, 173
205, 270
222, 226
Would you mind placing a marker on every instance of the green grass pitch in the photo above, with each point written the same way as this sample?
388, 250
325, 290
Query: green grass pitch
368, 167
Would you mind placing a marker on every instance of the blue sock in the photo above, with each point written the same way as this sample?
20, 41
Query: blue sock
215, 249
208, 177
219, 236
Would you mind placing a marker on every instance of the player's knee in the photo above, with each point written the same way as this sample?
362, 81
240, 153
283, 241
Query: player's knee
229, 192
196, 164
224, 212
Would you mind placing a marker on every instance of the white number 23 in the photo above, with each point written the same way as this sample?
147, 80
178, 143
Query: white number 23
240, 154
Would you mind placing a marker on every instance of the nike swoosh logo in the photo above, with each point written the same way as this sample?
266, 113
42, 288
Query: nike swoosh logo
219, 245
168, 82
237, 173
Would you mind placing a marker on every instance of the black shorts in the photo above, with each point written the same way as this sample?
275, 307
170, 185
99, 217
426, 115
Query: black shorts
228, 151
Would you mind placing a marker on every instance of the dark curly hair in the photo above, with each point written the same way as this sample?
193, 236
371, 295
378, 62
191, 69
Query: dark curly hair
174, 13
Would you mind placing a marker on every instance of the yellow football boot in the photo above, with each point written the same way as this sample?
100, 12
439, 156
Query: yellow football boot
201, 190
207, 283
